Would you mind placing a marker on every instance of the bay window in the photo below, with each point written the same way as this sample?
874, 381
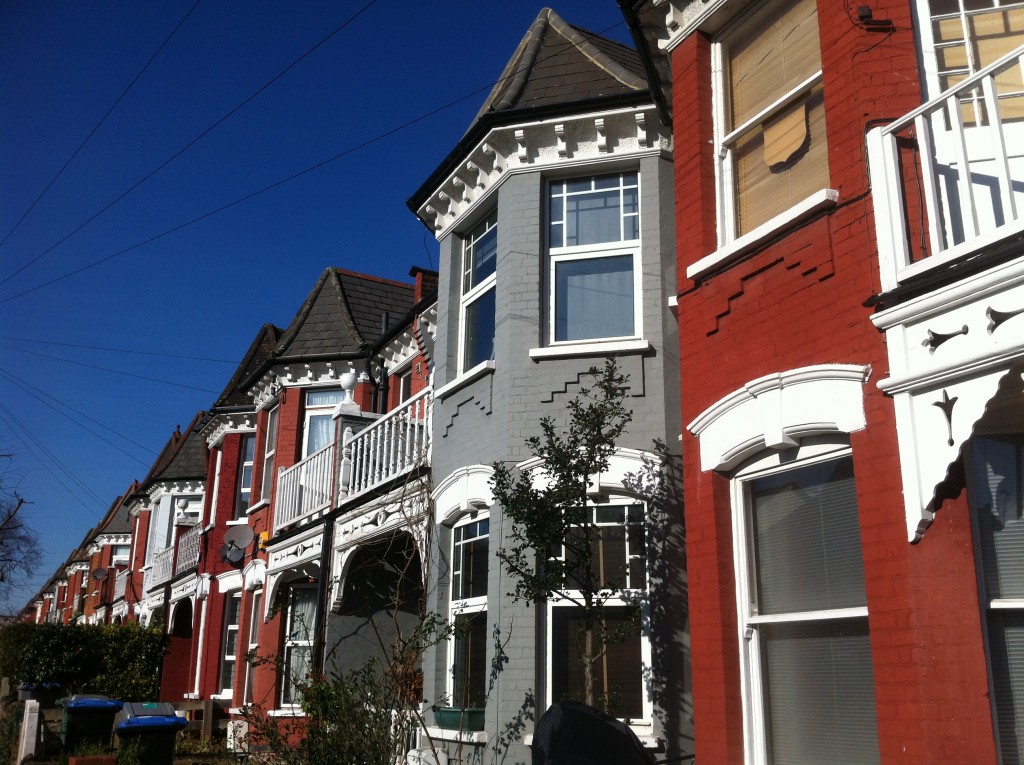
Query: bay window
298, 641
618, 560
770, 116
808, 684
229, 645
470, 561
244, 493
477, 304
593, 242
996, 494
270, 447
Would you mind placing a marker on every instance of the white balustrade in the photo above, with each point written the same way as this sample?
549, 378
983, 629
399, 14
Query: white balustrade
121, 584
304, 488
394, 444
188, 550
161, 569
948, 178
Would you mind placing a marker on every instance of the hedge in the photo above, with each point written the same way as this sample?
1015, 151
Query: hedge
121, 661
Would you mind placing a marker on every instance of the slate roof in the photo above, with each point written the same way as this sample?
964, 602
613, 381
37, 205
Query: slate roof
345, 313
182, 458
557, 63
261, 349
116, 520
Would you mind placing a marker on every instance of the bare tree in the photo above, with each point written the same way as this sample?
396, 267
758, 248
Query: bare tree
19, 544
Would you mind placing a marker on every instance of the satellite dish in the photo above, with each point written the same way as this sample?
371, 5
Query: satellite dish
236, 540
99, 574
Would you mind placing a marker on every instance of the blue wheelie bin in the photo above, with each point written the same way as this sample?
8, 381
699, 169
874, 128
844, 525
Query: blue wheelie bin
88, 720
153, 726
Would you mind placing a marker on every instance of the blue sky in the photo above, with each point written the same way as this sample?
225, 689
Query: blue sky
82, 422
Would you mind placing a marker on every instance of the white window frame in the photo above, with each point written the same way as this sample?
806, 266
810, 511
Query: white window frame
269, 453
317, 410
811, 452
628, 597
463, 606
725, 180
558, 254
471, 293
227, 629
255, 622
238, 511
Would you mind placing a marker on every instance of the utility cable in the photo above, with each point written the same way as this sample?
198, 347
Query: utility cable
42, 396
27, 438
265, 189
112, 371
119, 350
190, 144
93, 132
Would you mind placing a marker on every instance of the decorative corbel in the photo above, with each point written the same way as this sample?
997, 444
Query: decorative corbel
437, 225
641, 129
563, 150
521, 145
496, 164
476, 174
459, 186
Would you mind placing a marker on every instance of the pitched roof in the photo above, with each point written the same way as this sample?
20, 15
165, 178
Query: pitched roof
557, 63
344, 314
116, 520
261, 348
182, 458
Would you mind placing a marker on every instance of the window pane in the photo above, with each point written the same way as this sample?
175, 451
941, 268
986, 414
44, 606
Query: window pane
618, 674
330, 397
1006, 653
257, 617
771, 54
820, 693
775, 170
806, 540
469, 579
470, 670
297, 668
594, 298
997, 477
321, 432
481, 249
593, 218
479, 339
302, 614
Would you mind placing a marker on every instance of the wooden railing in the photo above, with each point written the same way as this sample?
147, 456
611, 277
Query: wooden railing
948, 178
304, 488
188, 550
394, 444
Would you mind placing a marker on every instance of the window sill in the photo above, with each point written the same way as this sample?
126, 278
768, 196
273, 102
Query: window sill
820, 200
462, 736
641, 730
481, 369
237, 522
222, 696
286, 712
258, 506
598, 348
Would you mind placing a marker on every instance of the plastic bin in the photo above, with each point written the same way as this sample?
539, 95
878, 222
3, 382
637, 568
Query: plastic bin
153, 726
87, 720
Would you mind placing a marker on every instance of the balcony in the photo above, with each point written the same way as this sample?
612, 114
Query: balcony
188, 550
160, 571
948, 178
121, 584
383, 451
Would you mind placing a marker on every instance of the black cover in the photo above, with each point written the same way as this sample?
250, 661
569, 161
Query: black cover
570, 733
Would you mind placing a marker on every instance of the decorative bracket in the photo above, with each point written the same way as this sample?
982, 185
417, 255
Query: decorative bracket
520, 136
563, 150
641, 129
602, 137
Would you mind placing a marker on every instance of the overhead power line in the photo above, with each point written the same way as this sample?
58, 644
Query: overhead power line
112, 371
190, 144
351, 150
92, 132
42, 396
119, 350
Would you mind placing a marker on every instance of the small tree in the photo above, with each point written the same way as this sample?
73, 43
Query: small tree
19, 544
554, 538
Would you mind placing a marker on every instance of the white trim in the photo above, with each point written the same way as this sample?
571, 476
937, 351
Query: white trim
591, 348
229, 581
465, 490
464, 379
460, 736
777, 410
727, 253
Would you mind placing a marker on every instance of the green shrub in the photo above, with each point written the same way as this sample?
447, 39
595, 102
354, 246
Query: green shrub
121, 661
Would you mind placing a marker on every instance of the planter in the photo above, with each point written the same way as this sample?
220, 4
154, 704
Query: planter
460, 718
